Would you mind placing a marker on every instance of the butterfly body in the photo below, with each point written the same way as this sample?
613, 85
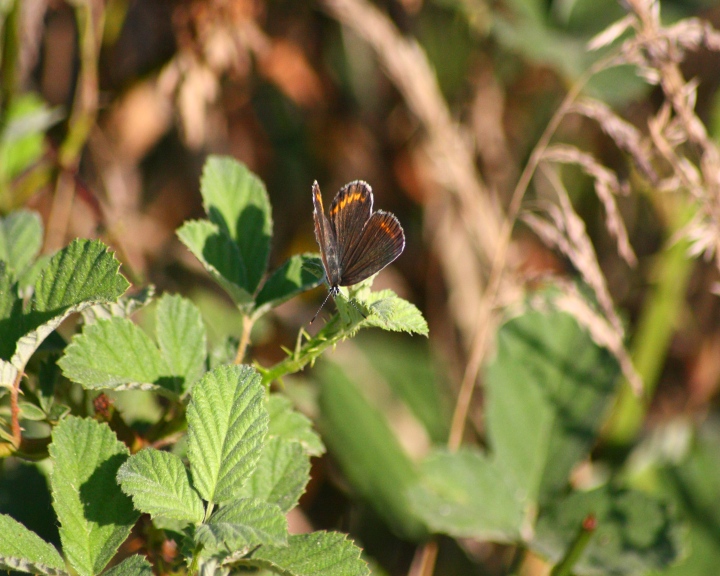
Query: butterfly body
354, 241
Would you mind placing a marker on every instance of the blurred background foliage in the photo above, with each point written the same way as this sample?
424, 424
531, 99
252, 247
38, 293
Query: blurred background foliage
109, 110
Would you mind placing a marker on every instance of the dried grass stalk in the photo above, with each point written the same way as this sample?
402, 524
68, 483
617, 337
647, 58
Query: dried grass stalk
607, 186
565, 230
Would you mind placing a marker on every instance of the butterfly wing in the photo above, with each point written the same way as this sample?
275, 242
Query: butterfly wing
349, 212
381, 242
326, 239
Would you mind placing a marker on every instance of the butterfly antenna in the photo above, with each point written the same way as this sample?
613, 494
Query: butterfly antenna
321, 306
354, 305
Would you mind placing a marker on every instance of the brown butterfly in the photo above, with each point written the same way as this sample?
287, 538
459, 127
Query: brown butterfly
354, 241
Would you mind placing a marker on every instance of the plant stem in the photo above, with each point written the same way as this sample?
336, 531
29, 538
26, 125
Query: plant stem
82, 120
244, 339
587, 529
424, 561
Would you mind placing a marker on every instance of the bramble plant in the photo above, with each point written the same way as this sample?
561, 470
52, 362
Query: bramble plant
222, 495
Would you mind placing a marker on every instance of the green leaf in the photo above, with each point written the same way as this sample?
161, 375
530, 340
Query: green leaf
22, 134
315, 554
10, 320
547, 392
95, 516
398, 315
182, 339
360, 439
227, 426
20, 239
281, 475
692, 484
159, 485
390, 312
409, 368
635, 533
21, 549
135, 565
115, 354
80, 275
242, 524
220, 256
466, 496
125, 306
236, 201
294, 277
289, 424
30, 411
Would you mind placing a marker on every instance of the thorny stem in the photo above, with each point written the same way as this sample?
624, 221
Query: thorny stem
15, 411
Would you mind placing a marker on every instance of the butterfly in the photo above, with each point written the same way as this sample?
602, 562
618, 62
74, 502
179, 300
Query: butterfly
354, 241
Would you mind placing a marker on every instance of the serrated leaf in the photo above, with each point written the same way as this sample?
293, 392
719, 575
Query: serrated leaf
294, 277
22, 549
315, 554
220, 256
159, 485
235, 199
182, 339
135, 565
125, 306
115, 354
227, 426
95, 516
281, 475
360, 439
547, 392
33, 272
83, 272
241, 524
635, 533
10, 321
80, 275
290, 424
20, 239
466, 496
390, 312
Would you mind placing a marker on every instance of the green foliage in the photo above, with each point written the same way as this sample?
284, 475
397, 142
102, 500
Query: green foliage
160, 485
255, 481
234, 243
313, 555
547, 388
21, 549
635, 533
77, 277
95, 516
368, 452
247, 452
22, 130
466, 495
227, 422
223, 495
114, 353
